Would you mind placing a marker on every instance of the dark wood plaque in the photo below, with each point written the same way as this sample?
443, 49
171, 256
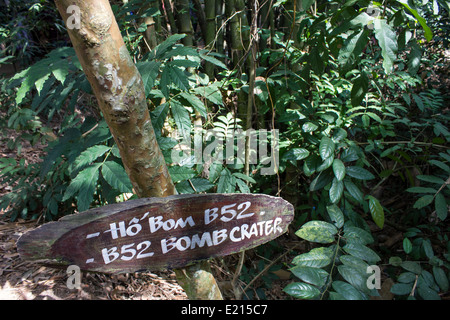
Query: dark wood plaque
158, 233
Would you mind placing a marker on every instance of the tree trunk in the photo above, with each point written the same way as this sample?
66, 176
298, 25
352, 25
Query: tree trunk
119, 89
183, 18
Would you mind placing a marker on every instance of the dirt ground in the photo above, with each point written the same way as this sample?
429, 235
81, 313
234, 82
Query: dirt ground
21, 280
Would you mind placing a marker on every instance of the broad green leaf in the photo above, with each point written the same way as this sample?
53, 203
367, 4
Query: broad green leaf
377, 211
354, 191
326, 147
336, 190
181, 173
244, 177
352, 48
407, 246
213, 60
401, 289
357, 235
317, 231
441, 278
361, 251
314, 276
347, 291
412, 267
414, 58
423, 201
162, 48
406, 277
301, 290
336, 215
227, 182
359, 89
178, 77
421, 190
90, 155
317, 258
243, 187
159, 116
441, 207
338, 169
354, 262
359, 173
200, 185
427, 293
295, 154
426, 244
387, 39
196, 103
422, 21
322, 179
149, 71
182, 118
84, 185
309, 127
116, 177
354, 277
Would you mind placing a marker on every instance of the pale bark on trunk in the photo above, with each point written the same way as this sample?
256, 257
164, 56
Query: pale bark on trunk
120, 92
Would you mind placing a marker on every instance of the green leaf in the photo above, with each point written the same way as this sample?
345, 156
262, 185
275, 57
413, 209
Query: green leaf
244, 177
357, 235
423, 201
336, 190
441, 278
196, 103
407, 246
352, 48
422, 21
387, 39
213, 60
149, 71
309, 127
401, 289
317, 231
376, 210
301, 290
354, 191
181, 173
296, 154
326, 147
359, 173
361, 251
243, 187
427, 293
359, 89
412, 267
414, 58
178, 77
441, 207
426, 244
84, 184
354, 277
227, 182
182, 118
162, 48
336, 215
116, 177
347, 291
317, 258
339, 169
314, 276
90, 155
421, 190
200, 185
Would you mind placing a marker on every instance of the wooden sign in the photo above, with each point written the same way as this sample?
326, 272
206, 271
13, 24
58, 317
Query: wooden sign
158, 233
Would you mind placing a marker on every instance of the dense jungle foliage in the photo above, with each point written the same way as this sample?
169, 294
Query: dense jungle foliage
359, 91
